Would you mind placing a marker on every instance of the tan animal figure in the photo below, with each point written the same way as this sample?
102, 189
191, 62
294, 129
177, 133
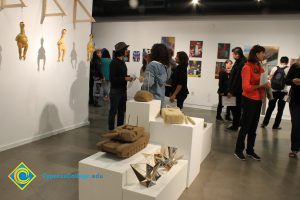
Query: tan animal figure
90, 48
22, 42
62, 46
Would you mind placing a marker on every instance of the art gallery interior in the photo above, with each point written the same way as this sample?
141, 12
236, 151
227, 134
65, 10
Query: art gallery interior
49, 132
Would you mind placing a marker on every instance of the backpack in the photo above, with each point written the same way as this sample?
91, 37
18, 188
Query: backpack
278, 79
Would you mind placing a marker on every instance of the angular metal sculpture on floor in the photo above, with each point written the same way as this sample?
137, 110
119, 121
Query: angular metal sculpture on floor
22, 42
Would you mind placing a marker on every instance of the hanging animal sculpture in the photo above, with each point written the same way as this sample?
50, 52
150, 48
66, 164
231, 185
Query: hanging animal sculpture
90, 48
62, 46
22, 42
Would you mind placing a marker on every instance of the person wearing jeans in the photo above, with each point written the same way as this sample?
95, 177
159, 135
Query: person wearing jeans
118, 90
293, 79
278, 97
253, 93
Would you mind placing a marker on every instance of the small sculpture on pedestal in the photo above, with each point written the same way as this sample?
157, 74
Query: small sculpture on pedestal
90, 48
22, 42
150, 177
62, 46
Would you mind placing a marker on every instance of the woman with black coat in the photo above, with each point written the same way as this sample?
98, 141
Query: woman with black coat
179, 79
97, 75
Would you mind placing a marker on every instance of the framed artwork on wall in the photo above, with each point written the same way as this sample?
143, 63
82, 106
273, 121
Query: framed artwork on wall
169, 42
272, 53
194, 69
223, 51
219, 67
136, 56
196, 48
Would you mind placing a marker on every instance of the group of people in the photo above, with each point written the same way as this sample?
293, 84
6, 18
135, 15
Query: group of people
160, 74
244, 81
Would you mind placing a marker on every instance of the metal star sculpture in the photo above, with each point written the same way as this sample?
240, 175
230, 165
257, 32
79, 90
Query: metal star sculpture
151, 176
167, 158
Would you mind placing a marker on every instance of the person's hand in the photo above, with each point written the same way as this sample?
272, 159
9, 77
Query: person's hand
172, 98
296, 81
128, 78
267, 85
141, 79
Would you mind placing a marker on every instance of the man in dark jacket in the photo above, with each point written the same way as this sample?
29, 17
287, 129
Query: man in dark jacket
118, 88
235, 86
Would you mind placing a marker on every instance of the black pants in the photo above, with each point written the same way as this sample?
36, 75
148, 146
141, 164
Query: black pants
180, 100
278, 97
117, 107
220, 107
91, 85
295, 118
237, 112
250, 119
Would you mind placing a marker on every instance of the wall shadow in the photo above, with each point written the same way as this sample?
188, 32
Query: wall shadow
78, 97
49, 119
74, 59
41, 56
0, 56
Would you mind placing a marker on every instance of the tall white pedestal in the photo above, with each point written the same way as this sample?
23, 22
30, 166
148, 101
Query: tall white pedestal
169, 187
114, 173
186, 137
206, 141
144, 111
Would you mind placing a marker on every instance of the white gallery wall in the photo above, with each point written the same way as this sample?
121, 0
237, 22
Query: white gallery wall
282, 31
38, 100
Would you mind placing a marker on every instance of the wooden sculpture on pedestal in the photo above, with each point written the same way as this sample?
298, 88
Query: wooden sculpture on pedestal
90, 48
22, 42
62, 46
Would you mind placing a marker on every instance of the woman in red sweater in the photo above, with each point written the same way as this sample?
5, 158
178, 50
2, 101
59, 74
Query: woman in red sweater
253, 93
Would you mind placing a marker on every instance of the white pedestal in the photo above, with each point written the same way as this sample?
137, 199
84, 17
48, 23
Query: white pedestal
144, 111
169, 187
114, 173
186, 137
206, 141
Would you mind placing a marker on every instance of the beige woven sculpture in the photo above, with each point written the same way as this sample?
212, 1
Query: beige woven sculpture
62, 46
22, 42
143, 96
90, 48
175, 116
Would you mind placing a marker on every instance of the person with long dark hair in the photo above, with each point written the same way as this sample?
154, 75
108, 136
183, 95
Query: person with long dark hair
156, 72
179, 79
253, 93
235, 86
105, 60
96, 73
118, 89
293, 79
223, 89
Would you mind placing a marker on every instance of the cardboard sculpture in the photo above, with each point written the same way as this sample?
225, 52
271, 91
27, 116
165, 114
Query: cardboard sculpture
150, 177
90, 48
22, 42
172, 115
62, 46
143, 96
125, 141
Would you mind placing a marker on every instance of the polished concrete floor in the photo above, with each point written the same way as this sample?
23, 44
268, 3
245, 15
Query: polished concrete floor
222, 176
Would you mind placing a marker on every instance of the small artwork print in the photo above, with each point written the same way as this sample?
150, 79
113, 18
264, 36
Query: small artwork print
293, 61
136, 56
127, 56
272, 53
196, 49
146, 52
169, 42
219, 67
223, 50
194, 69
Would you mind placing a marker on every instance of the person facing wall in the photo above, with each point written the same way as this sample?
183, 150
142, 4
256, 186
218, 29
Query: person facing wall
156, 72
96, 73
253, 93
105, 60
179, 79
